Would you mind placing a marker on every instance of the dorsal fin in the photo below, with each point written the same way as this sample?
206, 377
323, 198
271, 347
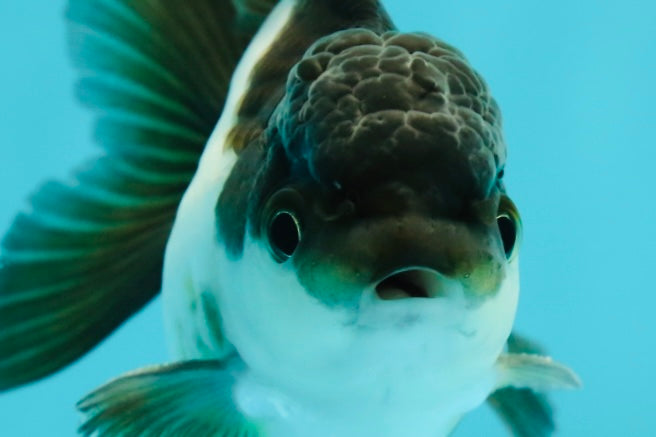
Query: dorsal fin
86, 254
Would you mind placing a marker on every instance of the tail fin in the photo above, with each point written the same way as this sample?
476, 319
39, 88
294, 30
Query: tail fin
88, 253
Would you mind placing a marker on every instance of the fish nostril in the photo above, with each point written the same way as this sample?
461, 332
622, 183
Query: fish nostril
406, 284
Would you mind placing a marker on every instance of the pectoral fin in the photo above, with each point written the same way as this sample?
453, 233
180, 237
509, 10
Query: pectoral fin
524, 373
536, 372
191, 398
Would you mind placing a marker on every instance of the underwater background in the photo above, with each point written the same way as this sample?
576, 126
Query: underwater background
576, 85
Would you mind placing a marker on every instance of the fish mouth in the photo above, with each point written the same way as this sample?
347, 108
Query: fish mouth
412, 283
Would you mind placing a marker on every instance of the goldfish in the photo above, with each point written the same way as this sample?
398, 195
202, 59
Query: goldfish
320, 200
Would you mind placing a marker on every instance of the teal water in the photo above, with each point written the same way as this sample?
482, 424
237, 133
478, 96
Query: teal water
575, 84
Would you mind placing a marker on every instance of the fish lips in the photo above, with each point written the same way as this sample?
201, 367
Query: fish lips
410, 256
416, 282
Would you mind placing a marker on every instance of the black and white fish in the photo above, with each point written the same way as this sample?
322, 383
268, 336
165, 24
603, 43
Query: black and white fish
320, 199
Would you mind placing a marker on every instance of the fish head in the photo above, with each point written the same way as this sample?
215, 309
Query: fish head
379, 237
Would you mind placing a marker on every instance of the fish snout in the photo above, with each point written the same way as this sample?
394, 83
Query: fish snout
402, 258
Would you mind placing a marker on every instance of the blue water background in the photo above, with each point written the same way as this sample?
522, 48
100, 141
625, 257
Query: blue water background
576, 83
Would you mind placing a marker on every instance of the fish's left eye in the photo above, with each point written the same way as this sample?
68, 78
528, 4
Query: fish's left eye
284, 235
509, 226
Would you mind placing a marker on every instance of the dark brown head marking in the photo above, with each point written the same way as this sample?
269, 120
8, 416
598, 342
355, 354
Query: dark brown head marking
361, 106
363, 110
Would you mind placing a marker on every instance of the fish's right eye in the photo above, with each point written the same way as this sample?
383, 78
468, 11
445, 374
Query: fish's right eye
284, 235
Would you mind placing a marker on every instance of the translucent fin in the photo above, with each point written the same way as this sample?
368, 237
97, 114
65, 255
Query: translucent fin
192, 398
88, 253
520, 402
83, 258
537, 372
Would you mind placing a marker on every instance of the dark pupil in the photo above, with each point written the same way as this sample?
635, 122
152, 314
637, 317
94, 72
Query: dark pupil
508, 233
284, 234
